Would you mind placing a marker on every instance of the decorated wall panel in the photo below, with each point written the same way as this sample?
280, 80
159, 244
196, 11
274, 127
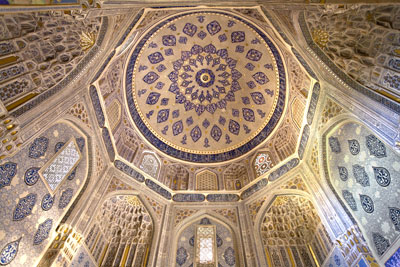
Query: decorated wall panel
235, 177
82, 258
39, 50
223, 248
359, 43
150, 164
263, 162
183, 114
177, 177
292, 233
32, 211
126, 141
171, 115
121, 233
206, 180
364, 173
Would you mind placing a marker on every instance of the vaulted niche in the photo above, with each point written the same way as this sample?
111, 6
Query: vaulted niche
206, 242
292, 233
364, 174
121, 233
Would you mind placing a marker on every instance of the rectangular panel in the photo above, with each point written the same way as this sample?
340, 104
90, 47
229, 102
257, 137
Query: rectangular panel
205, 245
61, 165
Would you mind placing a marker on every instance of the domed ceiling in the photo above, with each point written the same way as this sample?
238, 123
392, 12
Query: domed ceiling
205, 86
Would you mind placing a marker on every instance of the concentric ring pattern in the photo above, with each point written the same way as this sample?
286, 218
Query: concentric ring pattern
205, 86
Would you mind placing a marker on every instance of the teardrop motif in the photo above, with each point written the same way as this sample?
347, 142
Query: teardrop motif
9, 252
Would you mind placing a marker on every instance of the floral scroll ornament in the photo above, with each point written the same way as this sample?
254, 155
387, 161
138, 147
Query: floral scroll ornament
9, 252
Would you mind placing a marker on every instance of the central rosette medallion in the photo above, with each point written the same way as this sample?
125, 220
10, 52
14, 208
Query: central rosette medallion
205, 86
205, 78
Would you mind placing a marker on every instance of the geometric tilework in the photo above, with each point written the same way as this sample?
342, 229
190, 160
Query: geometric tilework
394, 260
262, 163
57, 170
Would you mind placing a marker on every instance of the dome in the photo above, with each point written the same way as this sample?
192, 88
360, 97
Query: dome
205, 86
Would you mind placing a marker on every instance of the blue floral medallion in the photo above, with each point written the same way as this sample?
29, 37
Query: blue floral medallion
47, 202
343, 174
181, 256
229, 256
354, 146
375, 146
43, 232
9, 252
198, 80
382, 176
38, 147
360, 175
65, 198
31, 176
205, 78
394, 214
367, 203
7, 173
24, 207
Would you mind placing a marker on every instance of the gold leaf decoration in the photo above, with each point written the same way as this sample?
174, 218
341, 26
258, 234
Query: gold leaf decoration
320, 37
88, 39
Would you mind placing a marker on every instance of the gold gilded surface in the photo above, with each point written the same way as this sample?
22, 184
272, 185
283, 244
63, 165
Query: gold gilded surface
241, 119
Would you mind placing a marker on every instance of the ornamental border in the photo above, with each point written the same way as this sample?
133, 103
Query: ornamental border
205, 158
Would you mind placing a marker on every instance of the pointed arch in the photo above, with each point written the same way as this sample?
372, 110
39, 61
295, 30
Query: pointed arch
263, 161
359, 171
206, 179
235, 177
227, 239
150, 163
291, 231
122, 231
